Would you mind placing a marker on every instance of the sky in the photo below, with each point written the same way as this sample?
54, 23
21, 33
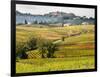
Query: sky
41, 9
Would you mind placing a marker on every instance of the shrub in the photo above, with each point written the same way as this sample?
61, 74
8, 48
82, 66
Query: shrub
47, 48
51, 48
41, 44
32, 43
63, 38
21, 49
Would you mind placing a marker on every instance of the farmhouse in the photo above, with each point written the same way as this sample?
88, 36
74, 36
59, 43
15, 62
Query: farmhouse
85, 23
67, 24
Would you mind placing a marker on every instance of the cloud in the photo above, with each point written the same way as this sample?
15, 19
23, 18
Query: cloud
37, 9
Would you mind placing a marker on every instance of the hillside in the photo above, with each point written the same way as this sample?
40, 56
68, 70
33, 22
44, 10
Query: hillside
75, 48
52, 18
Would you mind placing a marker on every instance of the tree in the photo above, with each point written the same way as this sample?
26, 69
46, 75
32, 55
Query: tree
26, 22
35, 22
84, 17
21, 49
42, 47
91, 18
32, 43
23, 54
62, 21
63, 38
51, 48
47, 48
42, 50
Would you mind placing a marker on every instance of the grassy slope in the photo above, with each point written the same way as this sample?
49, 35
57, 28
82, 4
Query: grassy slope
82, 45
23, 32
54, 64
73, 48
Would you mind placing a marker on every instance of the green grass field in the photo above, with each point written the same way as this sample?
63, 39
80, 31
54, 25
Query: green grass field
75, 52
55, 64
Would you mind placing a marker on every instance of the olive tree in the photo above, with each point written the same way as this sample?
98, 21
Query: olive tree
41, 44
51, 48
47, 48
32, 43
21, 49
